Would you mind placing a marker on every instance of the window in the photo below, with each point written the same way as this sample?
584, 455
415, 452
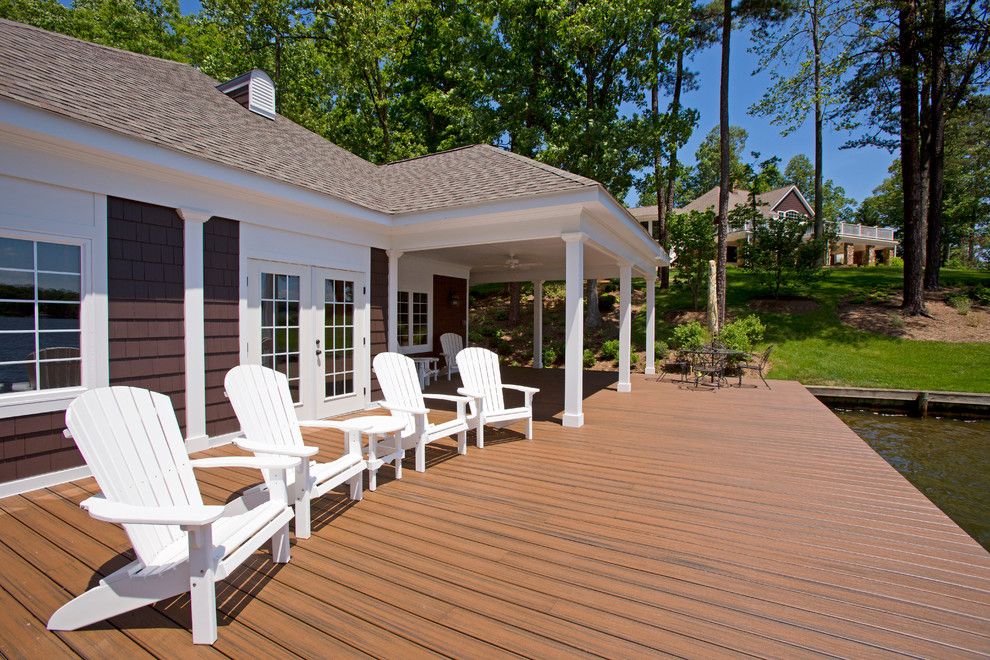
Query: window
338, 331
280, 327
40, 302
413, 318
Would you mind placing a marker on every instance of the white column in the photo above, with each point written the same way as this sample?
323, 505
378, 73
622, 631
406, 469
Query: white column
651, 322
393, 299
538, 324
625, 326
467, 311
574, 353
195, 328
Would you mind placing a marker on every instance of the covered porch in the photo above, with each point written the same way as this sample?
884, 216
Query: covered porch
572, 238
658, 528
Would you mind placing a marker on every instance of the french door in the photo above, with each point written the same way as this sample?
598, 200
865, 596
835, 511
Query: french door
310, 325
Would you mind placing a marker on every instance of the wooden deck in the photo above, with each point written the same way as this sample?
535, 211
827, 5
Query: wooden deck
674, 523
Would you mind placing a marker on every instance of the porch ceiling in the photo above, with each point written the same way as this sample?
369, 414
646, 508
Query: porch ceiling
538, 259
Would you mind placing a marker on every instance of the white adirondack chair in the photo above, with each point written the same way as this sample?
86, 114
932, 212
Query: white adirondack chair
132, 443
261, 400
452, 344
404, 398
481, 377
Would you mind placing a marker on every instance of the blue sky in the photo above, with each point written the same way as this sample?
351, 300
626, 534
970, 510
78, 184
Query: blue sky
858, 170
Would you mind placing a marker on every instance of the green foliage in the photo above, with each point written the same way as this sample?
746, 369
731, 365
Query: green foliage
706, 173
742, 334
660, 349
980, 294
606, 303
687, 336
778, 251
609, 349
896, 263
588, 359
960, 302
692, 240
550, 356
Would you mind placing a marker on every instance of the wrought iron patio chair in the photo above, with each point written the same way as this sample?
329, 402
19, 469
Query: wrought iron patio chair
757, 366
710, 365
680, 364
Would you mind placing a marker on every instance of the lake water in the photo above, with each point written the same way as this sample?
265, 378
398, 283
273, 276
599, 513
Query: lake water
946, 459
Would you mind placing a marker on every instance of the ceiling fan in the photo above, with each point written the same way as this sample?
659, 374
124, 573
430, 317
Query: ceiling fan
511, 263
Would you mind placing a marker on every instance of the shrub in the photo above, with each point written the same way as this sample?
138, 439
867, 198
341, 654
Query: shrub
689, 335
660, 350
896, 262
633, 360
610, 350
606, 303
610, 286
549, 356
960, 302
980, 294
742, 334
589, 358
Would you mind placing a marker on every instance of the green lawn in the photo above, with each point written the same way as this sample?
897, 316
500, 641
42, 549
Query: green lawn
817, 349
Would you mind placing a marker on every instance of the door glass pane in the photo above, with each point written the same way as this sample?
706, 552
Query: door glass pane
280, 326
338, 329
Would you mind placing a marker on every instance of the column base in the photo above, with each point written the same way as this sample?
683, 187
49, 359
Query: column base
650, 371
625, 387
573, 420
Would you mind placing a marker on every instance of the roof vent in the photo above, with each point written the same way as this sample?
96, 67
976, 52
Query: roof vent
254, 90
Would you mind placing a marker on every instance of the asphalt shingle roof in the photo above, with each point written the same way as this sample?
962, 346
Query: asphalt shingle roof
709, 201
178, 107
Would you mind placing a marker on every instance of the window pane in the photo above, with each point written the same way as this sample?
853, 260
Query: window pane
60, 374
329, 293
58, 287
267, 314
16, 377
16, 316
281, 314
294, 390
58, 345
63, 258
293, 293
267, 286
293, 345
16, 346
267, 341
58, 316
293, 366
279, 341
16, 285
16, 254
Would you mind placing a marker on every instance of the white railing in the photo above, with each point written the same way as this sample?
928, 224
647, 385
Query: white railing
865, 231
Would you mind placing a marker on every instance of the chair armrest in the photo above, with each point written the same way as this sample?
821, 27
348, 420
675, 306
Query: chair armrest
344, 425
115, 512
259, 462
463, 391
522, 388
394, 407
450, 397
257, 448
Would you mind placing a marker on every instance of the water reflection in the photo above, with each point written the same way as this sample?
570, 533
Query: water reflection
946, 459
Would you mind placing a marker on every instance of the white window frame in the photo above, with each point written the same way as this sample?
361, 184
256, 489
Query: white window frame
411, 347
17, 404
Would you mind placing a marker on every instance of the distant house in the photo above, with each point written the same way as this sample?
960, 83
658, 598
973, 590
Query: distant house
855, 244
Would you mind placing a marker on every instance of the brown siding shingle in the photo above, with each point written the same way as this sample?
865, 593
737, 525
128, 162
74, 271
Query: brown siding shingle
446, 317
146, 293
378, 301
221, 298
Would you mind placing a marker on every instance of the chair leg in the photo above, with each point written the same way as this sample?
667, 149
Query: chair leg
357, 486
202, 585
303, 520
398, 465
529, 427
479, 438
421, 456
462, 442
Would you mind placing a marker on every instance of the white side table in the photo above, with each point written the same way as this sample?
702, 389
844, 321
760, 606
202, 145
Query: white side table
384, 444
428, 368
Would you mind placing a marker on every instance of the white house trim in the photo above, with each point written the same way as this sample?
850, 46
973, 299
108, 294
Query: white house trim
195, 324
574, 331
625, 326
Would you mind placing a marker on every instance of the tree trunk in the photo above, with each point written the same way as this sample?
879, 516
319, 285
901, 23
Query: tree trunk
592, 315
907, 50
514, 296
675, 111
723, 192
936, 154
819, 121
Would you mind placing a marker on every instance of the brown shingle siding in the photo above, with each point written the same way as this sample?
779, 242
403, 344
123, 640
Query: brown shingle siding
147, 290
221, 295
378, 299
34, 444
446, 317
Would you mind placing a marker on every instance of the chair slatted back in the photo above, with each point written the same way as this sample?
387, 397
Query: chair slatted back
132, 443
452, 344
400, 384
480, 373
766, 356
263, 404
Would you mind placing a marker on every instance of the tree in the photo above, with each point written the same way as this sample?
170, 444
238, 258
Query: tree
692, 240
807, 55
706, 171
836, 207
777, 250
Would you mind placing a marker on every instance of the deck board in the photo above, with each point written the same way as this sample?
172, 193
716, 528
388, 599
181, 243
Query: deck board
675, 522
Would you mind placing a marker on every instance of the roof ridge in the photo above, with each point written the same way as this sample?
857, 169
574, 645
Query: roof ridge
112, 49
435, 153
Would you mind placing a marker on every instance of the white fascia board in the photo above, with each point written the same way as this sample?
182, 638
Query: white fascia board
605, 239
124, 166
539, 274
642, 241
488, 230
